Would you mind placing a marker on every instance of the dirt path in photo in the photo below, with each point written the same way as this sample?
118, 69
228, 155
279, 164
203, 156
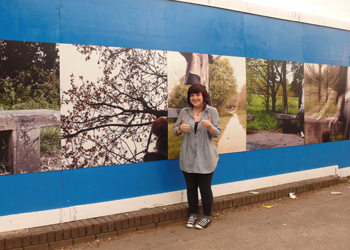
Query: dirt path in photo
233, 138
264, 139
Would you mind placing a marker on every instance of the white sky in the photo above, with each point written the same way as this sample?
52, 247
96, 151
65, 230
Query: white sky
335, 9
73, 62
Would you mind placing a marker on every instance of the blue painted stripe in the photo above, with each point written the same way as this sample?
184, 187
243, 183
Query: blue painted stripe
91, 185
269, 38
175, 26
326, 45
262, 163
29, 20
30, 192
43, 191
201, 29
84, 186
131, 24
231, 168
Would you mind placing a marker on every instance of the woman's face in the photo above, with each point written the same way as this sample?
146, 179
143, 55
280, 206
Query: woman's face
196, 99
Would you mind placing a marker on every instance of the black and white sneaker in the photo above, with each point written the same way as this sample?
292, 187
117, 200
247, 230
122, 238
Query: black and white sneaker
204, 223
191, 221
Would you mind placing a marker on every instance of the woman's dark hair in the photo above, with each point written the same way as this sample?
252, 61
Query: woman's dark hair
198, 88
160, 126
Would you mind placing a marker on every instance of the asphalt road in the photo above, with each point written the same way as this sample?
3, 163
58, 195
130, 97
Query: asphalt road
315, 220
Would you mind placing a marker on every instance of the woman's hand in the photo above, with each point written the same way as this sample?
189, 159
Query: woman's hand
184, 127
333, 120
206, 123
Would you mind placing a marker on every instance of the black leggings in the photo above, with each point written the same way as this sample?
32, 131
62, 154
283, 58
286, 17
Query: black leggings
192, 79
204, 182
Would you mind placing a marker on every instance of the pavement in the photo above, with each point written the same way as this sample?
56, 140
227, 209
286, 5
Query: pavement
314, 220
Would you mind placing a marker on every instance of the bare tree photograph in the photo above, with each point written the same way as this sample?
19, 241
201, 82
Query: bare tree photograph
113, 105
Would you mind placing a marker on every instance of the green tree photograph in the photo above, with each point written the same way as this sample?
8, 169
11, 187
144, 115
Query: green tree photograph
29, 80
273, 89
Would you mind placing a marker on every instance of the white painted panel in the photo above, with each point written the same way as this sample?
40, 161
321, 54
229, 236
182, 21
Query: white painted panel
260, 10
28, 220
344, 172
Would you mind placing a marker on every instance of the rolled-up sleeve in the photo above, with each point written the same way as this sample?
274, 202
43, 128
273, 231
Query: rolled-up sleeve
215, 122
178, 121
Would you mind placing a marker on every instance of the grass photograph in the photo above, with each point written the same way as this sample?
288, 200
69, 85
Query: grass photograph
29, 89
273, 90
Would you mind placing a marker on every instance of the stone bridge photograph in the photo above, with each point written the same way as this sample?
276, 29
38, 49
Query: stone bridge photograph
29, 107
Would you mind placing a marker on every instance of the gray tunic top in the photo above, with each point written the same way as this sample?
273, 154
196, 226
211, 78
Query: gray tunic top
198, 150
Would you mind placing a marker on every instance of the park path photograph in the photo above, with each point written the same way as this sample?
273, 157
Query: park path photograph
274, 106
113, 105
224, 78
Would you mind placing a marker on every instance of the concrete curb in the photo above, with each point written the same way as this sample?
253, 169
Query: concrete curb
77, 232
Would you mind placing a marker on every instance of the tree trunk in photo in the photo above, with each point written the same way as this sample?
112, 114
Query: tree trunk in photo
273, 87
284, 86
268, 87
53, 77
331, 78
319, 94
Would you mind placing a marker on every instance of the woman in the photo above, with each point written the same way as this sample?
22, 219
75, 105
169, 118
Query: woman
160, 129
343, 98
198, 156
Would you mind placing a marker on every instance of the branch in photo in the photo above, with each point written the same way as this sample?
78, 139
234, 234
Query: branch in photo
110, 119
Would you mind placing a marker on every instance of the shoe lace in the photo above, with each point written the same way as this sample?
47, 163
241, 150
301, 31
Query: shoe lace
191, 220
203, 222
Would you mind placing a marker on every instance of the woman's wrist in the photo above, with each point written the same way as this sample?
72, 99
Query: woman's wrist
178, 130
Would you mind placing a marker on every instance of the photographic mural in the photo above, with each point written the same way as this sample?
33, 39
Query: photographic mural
224, 79
29, 107
65, 106
109, 101
274, 104
327, 111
